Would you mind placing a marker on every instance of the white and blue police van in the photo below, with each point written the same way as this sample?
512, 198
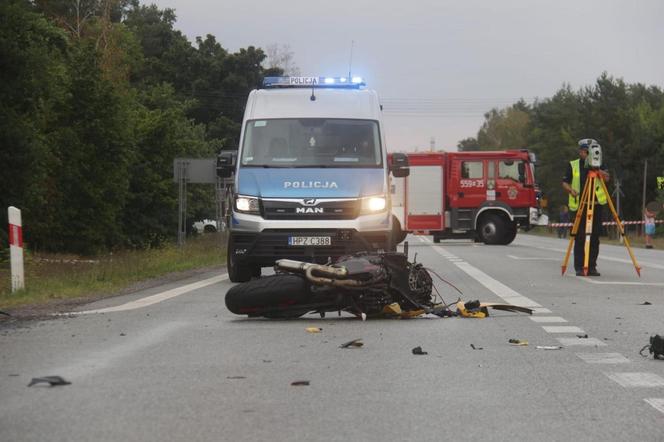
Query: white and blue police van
310, 175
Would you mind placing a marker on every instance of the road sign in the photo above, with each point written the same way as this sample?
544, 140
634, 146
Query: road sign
196, 170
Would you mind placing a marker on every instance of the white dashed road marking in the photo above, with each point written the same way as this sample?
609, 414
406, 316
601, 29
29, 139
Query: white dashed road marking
582, 342
636, 379
547, 319
526, 258
562, 329
513, 297
603, 358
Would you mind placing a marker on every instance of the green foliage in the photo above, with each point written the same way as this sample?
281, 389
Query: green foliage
97, 98
34, 85
163, 133
627, 120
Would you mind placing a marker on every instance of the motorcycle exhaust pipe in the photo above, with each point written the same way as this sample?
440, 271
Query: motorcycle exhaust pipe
303, 267
334, 275
329, 281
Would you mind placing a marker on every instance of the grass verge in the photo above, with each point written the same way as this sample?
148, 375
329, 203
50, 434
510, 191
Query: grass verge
58, 277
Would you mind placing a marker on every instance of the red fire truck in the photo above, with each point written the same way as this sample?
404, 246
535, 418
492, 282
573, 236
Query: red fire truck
484, 195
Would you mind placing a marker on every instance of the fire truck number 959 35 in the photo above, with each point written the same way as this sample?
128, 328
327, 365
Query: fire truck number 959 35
471, 183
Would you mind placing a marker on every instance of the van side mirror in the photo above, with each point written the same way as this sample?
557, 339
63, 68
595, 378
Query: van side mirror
400, 166
226, 163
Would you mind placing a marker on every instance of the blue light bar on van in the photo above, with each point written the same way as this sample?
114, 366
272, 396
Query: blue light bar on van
319, 82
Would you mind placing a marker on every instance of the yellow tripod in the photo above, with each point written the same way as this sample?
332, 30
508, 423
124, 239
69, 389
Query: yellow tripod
588, 202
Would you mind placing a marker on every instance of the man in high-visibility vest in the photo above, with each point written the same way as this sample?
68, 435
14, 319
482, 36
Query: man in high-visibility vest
573, 183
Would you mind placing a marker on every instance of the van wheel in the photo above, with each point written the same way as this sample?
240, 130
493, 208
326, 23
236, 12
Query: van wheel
493, 229
237, 272
398, 235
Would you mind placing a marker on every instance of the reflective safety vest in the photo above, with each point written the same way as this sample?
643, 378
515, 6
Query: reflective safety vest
573, 202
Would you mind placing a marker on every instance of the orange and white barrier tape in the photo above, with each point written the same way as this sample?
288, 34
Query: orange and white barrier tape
605, 223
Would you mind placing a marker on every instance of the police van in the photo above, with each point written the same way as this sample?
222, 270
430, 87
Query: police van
310, 175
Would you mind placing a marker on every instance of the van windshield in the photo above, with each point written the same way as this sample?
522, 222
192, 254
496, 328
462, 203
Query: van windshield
311, 142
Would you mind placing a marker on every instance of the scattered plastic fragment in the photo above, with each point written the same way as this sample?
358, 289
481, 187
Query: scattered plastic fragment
314, 329
418, 351
582, 336
123, 334
476, 348
4, 313
477, 309
51, 380
354, 343
299, 383
518, 342
646, 303
549, 347
392, 309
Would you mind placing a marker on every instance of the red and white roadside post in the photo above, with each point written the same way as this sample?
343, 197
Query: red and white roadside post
16, 248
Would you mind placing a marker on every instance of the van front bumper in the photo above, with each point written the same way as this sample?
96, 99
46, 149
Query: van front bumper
265, 247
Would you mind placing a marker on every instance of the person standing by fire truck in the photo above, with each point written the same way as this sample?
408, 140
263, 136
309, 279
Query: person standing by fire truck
573, 182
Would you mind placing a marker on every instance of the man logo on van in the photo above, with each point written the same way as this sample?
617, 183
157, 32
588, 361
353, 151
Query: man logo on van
309, 210
310, 185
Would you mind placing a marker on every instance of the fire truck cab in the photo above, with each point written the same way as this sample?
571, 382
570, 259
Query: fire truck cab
484, 195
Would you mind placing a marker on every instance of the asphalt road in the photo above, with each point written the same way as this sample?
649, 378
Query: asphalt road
172, 363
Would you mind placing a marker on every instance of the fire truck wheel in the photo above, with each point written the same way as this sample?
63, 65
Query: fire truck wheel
493, 229
511, 233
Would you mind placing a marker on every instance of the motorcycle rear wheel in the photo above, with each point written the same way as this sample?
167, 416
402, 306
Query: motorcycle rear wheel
275, 296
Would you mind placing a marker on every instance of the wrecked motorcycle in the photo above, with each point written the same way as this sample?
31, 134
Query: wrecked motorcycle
364, 284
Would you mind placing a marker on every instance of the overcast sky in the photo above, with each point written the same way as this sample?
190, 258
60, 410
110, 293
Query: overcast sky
441, 63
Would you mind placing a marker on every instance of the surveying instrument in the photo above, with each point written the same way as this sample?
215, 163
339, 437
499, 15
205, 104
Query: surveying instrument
594, 179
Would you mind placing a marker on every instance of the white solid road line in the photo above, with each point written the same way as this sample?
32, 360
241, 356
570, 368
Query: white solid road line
591, 280
606, 258
657, 403
154, 299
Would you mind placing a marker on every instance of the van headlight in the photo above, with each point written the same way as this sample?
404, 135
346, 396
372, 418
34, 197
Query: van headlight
247, 204
374, 204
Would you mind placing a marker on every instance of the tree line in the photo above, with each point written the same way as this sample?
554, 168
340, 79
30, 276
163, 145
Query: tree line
97, 97
626, 119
